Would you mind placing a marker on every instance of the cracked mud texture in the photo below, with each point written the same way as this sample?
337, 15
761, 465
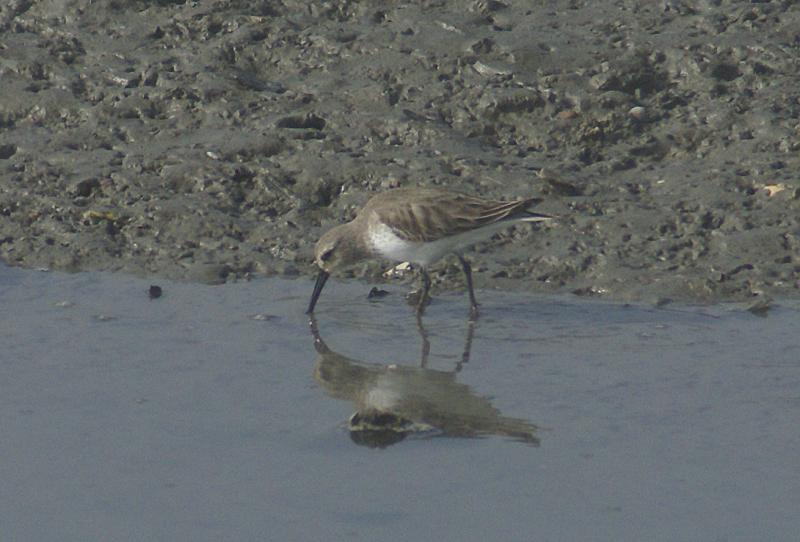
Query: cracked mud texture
215, 140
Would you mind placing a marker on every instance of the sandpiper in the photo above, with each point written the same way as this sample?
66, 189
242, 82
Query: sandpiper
420, 226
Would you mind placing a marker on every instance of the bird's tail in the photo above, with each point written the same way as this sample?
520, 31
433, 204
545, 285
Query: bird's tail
530, 216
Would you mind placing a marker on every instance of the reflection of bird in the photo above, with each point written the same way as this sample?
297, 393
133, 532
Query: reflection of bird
394, 401
417, 225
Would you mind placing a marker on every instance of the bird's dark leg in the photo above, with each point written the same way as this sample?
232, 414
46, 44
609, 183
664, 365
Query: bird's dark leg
468, 274
467, 343
423, 291
426, 344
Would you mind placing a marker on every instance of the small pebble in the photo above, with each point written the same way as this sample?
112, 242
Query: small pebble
104, 318
376, 293
155, 291
637, 112
261, 317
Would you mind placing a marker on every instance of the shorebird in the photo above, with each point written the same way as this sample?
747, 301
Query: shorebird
420, 226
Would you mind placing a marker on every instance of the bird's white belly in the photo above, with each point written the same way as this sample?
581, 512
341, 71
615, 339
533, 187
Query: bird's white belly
391, 247
388, 245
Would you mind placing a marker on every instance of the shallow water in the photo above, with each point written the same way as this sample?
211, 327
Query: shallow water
210, 413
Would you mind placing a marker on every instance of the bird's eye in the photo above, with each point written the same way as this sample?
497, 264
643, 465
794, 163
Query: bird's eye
325, 256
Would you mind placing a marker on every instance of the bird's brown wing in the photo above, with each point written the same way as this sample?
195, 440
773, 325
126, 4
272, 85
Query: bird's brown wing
432, 215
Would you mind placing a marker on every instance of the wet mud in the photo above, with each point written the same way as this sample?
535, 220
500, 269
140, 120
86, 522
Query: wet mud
214, 141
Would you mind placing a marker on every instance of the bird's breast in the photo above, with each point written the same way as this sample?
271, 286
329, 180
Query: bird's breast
387, 244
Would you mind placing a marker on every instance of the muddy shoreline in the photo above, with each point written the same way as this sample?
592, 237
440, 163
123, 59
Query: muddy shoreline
214, 141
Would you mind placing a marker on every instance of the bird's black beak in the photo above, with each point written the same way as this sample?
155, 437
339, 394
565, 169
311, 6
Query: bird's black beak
321, 278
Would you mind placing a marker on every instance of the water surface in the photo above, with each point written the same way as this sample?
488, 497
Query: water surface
211, 413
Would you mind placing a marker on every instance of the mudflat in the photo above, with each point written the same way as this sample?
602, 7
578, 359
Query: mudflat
211, 141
